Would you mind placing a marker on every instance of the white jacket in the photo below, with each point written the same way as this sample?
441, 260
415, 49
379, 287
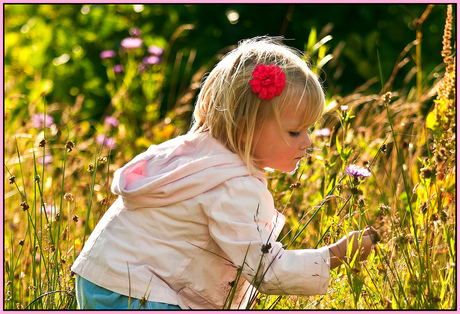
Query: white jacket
189, 216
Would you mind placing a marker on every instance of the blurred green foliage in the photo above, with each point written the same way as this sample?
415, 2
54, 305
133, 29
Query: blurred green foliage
55, 48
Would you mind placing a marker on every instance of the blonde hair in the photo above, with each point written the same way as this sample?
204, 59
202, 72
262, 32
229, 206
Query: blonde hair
229, 110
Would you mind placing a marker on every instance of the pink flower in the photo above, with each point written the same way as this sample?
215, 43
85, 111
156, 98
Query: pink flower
48, 159
131, 43
155, 50
101, 139
151, 60
118, 68
323, 132
111, 121
39, 119
269, 81
107, 54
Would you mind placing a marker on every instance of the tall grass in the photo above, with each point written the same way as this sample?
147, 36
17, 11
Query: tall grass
57, 185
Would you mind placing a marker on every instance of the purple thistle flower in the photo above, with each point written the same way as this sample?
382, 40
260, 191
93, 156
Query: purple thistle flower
38, 120
101, 139
107, 54
135, 31
151, 60
131, 43
323, 132
118, 68
155, 50
357, 171
111, 121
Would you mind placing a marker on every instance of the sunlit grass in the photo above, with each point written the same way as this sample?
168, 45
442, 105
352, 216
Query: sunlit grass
58, 175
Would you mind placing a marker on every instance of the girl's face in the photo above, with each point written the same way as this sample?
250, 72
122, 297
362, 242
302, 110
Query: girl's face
283, 148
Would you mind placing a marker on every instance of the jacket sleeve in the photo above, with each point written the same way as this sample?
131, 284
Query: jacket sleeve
243, 222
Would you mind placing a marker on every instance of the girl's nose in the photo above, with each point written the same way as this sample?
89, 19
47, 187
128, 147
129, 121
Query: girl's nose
306, 142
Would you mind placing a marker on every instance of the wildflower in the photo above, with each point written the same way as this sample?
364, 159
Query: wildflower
37, 178
107, 54
151, 60
102, 160
25, 206
69, 145
135, 31
111, 121
383, 149
131, 43
155, 50
12, 179
361, 202
323, 132
386, 98
107, 141
45, 161
90, 168
21, 242
357, 171
344, 108
42, 143
118, 68
69, 197
39, 120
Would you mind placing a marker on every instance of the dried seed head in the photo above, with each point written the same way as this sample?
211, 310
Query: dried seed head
69, 197
57, 217
69, 145
25, 206
12, 179
90, 168
42, 143
383, 149
387, 97
102, 160
21, 242
423, 207
37, 178
266, 247
295, 185
426, 173
105, 201
75, 218
361, 202
52, 248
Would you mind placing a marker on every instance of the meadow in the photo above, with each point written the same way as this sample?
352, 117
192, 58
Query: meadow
60, 156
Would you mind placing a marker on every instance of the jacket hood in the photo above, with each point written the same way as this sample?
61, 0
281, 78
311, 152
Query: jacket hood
176, 170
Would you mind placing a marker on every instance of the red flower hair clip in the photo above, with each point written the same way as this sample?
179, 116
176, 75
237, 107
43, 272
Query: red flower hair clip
268, 82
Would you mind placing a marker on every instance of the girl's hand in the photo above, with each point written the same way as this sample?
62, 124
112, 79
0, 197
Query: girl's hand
338, 251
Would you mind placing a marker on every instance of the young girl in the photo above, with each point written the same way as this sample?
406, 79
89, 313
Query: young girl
194, 221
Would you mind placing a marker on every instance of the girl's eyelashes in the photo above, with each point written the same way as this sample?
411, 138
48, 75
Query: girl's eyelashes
294, 134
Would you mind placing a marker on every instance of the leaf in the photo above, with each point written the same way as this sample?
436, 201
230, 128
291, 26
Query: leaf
432, 124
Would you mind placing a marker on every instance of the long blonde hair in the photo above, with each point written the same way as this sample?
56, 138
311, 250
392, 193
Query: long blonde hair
229, 110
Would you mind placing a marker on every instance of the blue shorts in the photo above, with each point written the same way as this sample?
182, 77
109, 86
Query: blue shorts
93, 297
